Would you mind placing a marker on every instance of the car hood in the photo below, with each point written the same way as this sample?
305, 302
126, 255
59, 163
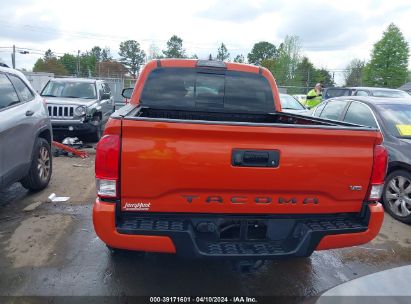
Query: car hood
69, 101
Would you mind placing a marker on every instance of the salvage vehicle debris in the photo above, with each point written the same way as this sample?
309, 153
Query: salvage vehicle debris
53, 198
73, 151
74, 142
32, 206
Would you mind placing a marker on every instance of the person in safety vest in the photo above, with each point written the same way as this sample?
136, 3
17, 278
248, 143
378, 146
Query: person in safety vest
314, 96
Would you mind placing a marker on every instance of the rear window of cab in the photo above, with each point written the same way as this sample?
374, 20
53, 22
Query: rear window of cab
198, 88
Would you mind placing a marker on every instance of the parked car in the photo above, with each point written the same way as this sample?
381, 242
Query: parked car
301, 98
25, 133
392, 116
291, 105
363, 91
218, 172
379, 92
336, 92
78, 107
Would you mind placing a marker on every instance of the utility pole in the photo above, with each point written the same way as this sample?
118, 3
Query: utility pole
78, 63
13, 57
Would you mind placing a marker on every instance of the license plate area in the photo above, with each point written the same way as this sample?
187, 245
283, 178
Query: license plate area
232, 230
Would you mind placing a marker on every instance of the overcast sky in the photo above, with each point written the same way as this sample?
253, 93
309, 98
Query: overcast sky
332, 33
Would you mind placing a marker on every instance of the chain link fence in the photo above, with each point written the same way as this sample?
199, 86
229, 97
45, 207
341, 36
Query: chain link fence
39, 80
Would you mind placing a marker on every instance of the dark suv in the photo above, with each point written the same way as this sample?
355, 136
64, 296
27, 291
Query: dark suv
78, 107
25, 133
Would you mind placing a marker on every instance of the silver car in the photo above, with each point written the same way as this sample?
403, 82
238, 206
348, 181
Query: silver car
25, 133
78, 107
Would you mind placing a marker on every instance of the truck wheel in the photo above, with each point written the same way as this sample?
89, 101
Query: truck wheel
41, 167
96, 135
397, 195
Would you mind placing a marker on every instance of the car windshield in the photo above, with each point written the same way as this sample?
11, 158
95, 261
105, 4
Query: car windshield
70, 89
390, 93
290, 103
397, 118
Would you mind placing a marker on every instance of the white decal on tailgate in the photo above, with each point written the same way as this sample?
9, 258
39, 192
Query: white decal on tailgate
137, 206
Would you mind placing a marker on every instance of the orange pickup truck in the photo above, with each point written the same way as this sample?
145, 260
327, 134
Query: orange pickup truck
203, 163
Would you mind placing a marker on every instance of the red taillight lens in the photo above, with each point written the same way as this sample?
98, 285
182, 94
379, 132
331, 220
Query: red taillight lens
107, 165
378, 173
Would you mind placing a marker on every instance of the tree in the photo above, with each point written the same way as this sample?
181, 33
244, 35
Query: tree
194, 56
132, 56
174, 48
261, 51
51, 65
48, 55
388, 66
288, 58
324, 77
88, 63
69, 62
354, 73
305, 74
154, 52
268, 64
101, 54
239, 58
222, 53
96, 51
106, 54
111, 68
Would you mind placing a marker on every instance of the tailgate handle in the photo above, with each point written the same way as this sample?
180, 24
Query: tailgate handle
255, 158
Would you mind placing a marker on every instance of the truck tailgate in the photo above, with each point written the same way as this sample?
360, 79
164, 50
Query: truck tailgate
189, 167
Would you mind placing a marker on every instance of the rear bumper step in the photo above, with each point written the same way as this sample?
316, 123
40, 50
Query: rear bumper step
245, 236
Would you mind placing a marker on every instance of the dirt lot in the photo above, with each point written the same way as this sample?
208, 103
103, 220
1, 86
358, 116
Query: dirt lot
51, 249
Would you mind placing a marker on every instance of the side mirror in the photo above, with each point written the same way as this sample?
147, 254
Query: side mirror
127, 92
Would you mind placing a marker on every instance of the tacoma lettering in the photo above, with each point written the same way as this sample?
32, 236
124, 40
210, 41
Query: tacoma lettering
257, 200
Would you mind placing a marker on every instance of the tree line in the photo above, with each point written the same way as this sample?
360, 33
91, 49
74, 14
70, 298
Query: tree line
388, 66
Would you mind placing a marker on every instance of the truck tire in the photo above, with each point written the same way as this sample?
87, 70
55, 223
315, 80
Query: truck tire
96, 135
397, 195
41, 167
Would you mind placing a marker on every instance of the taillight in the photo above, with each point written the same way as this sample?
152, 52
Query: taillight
107, 166
379, 170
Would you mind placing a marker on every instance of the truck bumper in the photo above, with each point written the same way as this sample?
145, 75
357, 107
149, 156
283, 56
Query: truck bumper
239, 236
70, 128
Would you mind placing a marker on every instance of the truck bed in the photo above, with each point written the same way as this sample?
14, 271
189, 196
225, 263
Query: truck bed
227, 117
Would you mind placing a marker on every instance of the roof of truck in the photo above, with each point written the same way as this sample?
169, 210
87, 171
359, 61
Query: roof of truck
175, 62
